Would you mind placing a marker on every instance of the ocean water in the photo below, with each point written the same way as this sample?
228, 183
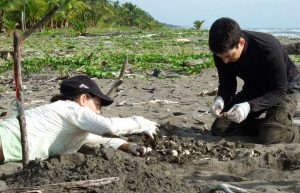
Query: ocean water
287, 32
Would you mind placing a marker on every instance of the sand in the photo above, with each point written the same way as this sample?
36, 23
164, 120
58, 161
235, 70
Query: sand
181, 106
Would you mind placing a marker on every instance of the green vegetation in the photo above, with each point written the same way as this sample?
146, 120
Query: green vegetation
198, 24
182, 51
79, 14
95, 36
295, 59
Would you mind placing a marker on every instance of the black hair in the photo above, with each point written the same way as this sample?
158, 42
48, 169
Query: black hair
69, 97
224, 35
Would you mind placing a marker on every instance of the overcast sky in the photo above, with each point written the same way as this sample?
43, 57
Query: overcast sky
249, 13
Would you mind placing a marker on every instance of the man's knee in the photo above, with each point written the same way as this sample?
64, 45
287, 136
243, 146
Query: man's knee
222, 127
271, 133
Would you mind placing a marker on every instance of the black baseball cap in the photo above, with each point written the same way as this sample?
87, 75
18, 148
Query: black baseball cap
83, 84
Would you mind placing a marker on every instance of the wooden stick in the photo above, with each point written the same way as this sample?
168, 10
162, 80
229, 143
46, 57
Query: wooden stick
122, 72
40, 23
65, 185
56, 78
19, 96
149, 99
227, 188
18, 81
118, 82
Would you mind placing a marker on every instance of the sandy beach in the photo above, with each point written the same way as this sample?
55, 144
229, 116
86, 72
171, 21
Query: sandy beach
181, 107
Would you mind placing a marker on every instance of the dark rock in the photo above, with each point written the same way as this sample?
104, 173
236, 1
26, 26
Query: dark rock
156, 72
293, 48
178, 113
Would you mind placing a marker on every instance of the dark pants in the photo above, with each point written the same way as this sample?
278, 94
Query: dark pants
276, 127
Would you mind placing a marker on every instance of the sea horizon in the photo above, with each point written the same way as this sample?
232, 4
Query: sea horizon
282, 31
286, 32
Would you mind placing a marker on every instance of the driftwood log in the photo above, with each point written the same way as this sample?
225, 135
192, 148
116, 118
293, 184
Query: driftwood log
227, 188
64, 186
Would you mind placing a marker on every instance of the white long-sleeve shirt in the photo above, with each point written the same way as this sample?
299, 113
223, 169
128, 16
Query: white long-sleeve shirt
62, 127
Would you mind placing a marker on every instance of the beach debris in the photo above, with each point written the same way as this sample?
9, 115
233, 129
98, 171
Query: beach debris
156, 72
293, 48
202, 160
296, 121
108, 43
150, 99
35, 88
197, 117
3, 114
227, 188
121, 103
194, 62
6, 55
208, 93
150, 90
150, 35
67, 185
57, 78
156, 101
178, 113
183, 40
35, 102
203, 129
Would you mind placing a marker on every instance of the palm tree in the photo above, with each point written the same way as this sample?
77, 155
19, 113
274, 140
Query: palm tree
7, 6
52, 3
129, 12
198, 24
100, 10
35, 9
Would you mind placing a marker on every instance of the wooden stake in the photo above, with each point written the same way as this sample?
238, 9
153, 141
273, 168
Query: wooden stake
19, 96
18, 82
119, 81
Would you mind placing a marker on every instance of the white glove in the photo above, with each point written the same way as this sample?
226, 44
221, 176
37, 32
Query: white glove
138, 150
238, 112
217, 107
147, 127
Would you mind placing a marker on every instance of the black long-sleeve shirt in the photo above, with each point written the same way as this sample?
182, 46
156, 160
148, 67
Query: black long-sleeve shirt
265, 68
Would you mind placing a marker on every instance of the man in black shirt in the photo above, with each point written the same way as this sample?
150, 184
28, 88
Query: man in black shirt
268, 73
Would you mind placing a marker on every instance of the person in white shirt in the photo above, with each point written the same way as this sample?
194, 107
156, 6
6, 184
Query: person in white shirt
71, 120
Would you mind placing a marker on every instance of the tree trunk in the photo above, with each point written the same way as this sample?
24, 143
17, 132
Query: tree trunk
2, 27
23, 22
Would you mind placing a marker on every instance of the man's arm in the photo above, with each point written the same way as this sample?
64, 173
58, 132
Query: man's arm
277, 79
227, 80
